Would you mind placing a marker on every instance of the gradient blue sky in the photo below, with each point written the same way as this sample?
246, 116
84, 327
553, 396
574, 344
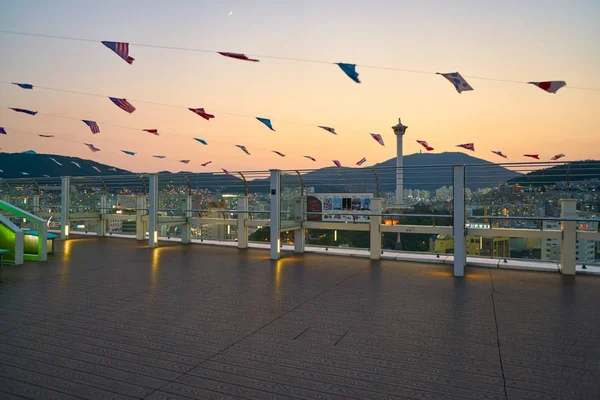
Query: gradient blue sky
514, 40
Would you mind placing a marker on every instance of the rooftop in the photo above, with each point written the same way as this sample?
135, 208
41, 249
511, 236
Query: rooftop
111, 318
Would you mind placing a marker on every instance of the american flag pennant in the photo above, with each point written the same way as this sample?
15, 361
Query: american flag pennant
536, 156
201, 141
468, 146
278, 153
121, 49
184, 161
24, 111
161, 157
267, 122
243, 148
206, 163
226, 172
378, 138
328, 129
2, 131
112, 169
93, 148
76, 164
499, 153
123, 104
152, 131
337, 163
361, 162
96, 169
549, 86
53, 159
202, 113
129, 153
310, 158
350, 70
46, 136
237, 56
23, 85
457, 80
556, 157
92, 125
424, 144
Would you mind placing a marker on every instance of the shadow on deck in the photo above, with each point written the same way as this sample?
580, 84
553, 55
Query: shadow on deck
110, 318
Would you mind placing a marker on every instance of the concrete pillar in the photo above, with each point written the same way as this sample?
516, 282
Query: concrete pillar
65, 207
153, 212
101, 229
275, 213
299, 217
140, 225
568, 244
375, 230
43, 242
36, 204
186, 233
242, 228
460, 251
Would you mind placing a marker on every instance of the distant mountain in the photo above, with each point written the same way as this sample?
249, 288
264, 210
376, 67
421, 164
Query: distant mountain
576, 171
422, 171
28, 165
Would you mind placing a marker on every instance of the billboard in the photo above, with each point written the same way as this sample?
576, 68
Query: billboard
333, 207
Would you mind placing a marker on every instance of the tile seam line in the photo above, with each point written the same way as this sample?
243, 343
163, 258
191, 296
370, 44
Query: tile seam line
265, 325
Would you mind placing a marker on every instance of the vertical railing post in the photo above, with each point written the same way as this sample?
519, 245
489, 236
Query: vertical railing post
242, 227
300, 217
101, 230
186, 234
568, 244
65, 206
375, 229
140, 224
153, 212
36, 204
275, 213
43, 242
460, 252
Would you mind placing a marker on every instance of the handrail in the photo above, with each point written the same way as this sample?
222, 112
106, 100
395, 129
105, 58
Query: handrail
557, 219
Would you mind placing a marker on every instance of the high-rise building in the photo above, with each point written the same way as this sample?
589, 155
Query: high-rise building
585, 251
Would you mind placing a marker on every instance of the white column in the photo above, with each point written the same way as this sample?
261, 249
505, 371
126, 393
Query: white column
568, 244
242, 228
153, 212
275, 213
186, 234
375, 230
36, 204
65, 207
460, 252
140, 225
399, 169
299, 217
101, 230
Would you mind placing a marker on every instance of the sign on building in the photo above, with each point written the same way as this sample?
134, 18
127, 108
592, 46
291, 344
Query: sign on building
339, 207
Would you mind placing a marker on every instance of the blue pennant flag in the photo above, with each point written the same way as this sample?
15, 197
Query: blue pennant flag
267, 122
2, 131
131, 153
201, 141
350, 70
22, 110
23, 85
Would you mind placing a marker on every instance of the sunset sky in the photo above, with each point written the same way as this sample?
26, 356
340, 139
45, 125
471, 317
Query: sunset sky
511, 40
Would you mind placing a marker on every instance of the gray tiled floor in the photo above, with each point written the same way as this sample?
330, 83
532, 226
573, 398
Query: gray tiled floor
110, 318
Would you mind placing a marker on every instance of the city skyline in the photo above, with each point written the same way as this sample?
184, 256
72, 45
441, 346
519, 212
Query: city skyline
513, 42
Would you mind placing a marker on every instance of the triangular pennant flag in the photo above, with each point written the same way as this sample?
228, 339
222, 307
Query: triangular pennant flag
2, 131
237, 56
499, 153
121, 49
310, 158
123, 104
328, 129
96, 169
243, 148
267, 122
337, 163
278, 153
457, 80
378, 138
23, 85
350, 70
201, 141
92, 125
202, 113
556, 157
46, 136
130, 153
152, 131
24, 111
161, 157
206, 163
361, 162
468, 146
536, 156
424, 144
550, 86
